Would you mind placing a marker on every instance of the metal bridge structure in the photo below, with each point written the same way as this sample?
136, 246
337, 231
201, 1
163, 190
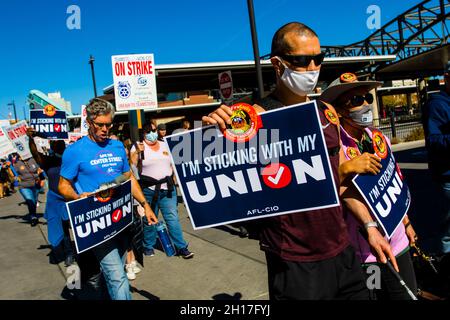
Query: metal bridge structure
421, 28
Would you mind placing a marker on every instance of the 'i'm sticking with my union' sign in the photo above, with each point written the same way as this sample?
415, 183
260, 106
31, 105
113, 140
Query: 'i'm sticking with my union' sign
386, 193
50, 125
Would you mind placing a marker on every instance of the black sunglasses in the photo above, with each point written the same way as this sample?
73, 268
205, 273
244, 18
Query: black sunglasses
358, 100
302, 61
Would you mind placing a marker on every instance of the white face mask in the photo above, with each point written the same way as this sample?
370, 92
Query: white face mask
362, 117
300, 83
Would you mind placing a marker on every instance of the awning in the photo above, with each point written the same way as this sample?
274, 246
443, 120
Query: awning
204, 76
425, 64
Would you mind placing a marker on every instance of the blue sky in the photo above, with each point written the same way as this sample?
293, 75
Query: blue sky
40, 52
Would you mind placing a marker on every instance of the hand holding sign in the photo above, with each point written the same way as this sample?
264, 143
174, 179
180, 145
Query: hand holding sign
221, 116
365, 163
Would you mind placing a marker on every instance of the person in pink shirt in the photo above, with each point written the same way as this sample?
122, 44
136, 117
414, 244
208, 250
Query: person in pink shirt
353, 102
156, 179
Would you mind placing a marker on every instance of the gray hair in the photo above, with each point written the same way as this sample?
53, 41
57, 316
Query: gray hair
99, 107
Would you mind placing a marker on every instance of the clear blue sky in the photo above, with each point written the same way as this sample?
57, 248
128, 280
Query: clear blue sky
39, 52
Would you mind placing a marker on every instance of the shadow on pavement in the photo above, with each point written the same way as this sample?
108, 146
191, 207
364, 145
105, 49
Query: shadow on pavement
144, 293
226, 296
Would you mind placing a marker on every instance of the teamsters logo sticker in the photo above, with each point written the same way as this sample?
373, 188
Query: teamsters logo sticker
348, 77
379, 144
331, 116
104, 195
49, 110
245, 123
352, 152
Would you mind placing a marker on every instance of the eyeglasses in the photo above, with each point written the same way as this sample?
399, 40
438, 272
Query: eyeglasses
101, 125
358, 100
302, 61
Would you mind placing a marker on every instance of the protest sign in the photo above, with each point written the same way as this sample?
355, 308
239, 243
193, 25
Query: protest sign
17, 134
84, 124
6, 147
49, 123
134, 82
100, 217
74, 137
386, 193
4, 123
277, 165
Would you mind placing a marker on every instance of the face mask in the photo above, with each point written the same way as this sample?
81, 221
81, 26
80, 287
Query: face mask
362, 117
301, 83
151, 136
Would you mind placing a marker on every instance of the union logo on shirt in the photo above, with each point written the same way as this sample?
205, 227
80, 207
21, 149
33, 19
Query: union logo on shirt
108, 162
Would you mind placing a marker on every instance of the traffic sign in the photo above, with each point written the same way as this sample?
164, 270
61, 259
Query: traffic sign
226, 85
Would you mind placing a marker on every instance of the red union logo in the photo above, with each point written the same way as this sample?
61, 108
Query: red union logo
49, 110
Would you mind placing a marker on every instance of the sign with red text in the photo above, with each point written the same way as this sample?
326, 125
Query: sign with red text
74, 137
134, 82
6, 147
17, 134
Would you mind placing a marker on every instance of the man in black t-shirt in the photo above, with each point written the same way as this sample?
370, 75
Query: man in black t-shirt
308, 254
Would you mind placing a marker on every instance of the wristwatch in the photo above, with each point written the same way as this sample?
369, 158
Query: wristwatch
370, 224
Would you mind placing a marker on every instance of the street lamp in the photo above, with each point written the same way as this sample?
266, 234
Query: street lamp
14, 106
91, 62
251, 13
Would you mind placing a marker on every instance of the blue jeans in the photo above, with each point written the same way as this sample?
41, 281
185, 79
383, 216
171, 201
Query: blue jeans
112, 255
30, 195
169, 211
445, 240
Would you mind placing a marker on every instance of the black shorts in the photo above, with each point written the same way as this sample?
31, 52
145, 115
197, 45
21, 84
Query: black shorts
338, 278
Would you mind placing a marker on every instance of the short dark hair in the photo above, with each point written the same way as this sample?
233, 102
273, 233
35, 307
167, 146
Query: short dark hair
279, 44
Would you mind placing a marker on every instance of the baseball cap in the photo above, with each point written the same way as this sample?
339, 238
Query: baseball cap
161, 126
347, 81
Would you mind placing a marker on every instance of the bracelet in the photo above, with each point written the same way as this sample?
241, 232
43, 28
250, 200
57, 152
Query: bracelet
370, 224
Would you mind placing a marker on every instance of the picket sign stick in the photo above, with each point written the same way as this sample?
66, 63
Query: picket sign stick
399, 278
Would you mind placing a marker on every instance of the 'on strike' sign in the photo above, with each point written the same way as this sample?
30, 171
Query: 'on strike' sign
134, 82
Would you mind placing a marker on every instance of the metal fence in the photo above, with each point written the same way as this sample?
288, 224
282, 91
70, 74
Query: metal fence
400, 127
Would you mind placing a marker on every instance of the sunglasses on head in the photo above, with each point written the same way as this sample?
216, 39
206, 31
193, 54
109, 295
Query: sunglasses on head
302, 61
358, 100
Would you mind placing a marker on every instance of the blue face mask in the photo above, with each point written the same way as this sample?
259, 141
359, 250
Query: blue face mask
151, 136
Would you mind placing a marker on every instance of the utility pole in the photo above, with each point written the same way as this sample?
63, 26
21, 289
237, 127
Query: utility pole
91, 62
14, 106
259, 78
